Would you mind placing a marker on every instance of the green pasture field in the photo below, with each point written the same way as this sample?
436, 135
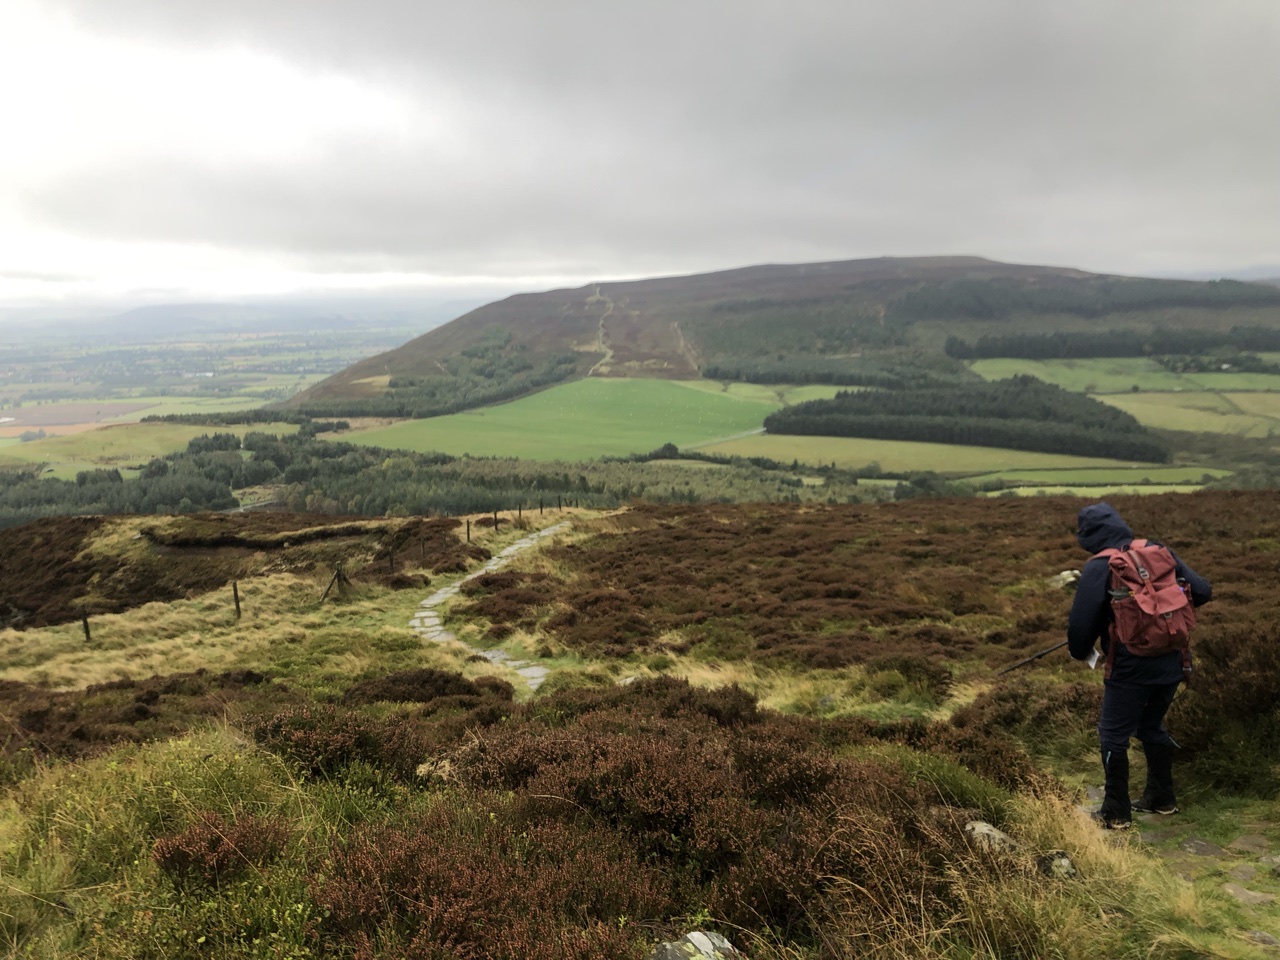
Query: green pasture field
776, 394
117, 446
902, 455
1097, 477
163, 406
1098, 375
1199, 412
581, 420
1226, 380
1121, 375
1259, 404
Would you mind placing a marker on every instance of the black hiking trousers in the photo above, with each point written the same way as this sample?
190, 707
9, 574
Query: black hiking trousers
1133, 709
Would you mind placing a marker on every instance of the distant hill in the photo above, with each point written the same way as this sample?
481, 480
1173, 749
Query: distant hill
880, 322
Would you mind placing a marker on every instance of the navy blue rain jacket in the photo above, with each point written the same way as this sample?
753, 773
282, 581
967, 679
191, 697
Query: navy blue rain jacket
1100, 528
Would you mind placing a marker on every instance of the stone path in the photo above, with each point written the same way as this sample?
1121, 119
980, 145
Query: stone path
426, 622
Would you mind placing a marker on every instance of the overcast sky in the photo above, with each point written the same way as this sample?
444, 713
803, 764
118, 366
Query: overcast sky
232, 147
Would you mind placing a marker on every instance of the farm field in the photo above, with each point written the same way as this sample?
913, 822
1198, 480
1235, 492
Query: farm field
1099, 375
122, 445
581, 420
314, 775
776, 394
1204, 412
1121, 375
902, 456
66, 417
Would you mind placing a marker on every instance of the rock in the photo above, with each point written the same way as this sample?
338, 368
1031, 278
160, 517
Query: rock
1249, 843
1065, 579
1245, 873
1057, 865
986, 837
1251, 898
697, 945
1201, 848
1263, 938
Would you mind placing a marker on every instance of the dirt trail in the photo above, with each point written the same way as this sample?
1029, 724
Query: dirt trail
602, 343
427, 624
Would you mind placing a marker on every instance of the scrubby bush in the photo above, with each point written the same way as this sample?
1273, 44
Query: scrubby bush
321, 740
212, 851
1228, 719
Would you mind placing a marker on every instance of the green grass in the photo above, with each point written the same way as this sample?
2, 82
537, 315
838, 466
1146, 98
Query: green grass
902, 455
581, 421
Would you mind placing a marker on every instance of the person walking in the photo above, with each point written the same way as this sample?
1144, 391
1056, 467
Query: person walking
1139, 686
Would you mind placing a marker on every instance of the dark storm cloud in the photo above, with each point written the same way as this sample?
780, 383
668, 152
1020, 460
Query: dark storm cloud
604, 138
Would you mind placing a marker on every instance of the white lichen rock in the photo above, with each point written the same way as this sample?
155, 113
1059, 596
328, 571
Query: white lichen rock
698, 945
1065, 579
986, 837
1056, 865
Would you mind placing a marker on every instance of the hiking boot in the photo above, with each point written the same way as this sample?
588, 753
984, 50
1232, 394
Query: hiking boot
1158, 796
1110, 823
1146, 805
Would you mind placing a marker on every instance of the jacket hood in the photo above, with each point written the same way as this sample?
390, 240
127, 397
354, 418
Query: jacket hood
1100, 527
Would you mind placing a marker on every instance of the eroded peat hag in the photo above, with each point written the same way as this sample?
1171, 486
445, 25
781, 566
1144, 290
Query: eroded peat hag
56, 570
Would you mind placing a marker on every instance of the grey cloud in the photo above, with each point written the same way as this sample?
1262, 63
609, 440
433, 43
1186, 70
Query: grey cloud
626, 138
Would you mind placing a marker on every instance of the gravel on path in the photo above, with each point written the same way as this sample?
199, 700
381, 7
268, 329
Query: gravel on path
427, 624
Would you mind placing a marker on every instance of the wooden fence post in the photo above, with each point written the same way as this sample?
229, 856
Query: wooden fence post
235, 594
559, 505
84, 620
468, 530
495, 521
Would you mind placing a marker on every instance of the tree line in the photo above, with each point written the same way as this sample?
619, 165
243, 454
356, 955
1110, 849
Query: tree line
1079, 345
1000, 299
321, 476
1021, 413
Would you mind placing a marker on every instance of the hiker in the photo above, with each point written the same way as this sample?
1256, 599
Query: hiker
1138, 689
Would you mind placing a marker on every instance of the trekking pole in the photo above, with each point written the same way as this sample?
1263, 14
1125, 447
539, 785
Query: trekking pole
1032, 658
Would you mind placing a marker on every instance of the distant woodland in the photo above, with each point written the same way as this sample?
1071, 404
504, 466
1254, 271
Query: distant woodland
1112, 343
1021, 413
306, 474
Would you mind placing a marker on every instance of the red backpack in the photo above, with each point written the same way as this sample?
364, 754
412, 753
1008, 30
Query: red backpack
1153, 614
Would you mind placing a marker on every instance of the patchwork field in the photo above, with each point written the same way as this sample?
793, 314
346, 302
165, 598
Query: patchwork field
1121, 375
584, 420
1202, 412
119, 446
65, 417
901, 455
